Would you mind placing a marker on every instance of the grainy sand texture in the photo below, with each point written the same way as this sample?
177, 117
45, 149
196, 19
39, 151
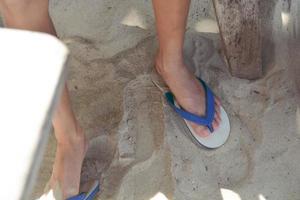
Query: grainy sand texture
139, 148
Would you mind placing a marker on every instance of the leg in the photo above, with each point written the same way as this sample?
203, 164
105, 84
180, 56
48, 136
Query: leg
71, 145
171, 17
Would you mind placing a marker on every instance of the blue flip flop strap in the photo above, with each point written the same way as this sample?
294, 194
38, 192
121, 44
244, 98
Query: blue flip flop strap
207, 120
93, 193
83, 195
78, 197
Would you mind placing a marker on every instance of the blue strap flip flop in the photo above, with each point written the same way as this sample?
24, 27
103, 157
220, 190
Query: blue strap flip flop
90, 195
216, 137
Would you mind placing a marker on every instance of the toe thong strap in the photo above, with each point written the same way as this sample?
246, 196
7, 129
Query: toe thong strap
78, 197
206, 120
89, 195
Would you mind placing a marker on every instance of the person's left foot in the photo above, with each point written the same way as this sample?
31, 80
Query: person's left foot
67, 165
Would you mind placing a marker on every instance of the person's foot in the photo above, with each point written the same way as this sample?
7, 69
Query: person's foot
189, 94
68, 162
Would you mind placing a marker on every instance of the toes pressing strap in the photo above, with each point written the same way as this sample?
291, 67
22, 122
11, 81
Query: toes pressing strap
206, 120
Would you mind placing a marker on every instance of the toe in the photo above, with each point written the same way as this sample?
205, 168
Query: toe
201, 131
215, 124
217, 108
218, 114
217, 101
218, 118
204, 132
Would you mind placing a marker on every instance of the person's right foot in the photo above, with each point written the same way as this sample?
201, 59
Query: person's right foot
189, 93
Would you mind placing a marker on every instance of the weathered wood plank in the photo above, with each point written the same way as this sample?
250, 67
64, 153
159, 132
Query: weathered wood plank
240, 29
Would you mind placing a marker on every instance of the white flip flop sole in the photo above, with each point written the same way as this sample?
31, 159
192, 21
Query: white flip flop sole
218, 137
215, 139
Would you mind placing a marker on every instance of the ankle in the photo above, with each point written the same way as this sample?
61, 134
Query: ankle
168, 61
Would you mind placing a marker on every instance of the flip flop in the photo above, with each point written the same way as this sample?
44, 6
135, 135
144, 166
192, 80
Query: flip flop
216, 137
90, 195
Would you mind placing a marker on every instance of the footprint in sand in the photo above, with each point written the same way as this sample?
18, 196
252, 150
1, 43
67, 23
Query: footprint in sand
98, 157
141, 159
197, 52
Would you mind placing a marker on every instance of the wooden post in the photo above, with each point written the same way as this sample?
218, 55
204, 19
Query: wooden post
240, 29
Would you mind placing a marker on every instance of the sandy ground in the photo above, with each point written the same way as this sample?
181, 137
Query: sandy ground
138, 146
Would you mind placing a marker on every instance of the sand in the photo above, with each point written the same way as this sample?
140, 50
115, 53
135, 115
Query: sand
138, 146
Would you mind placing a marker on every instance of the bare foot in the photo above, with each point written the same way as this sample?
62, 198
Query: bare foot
68, 162
189, 94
